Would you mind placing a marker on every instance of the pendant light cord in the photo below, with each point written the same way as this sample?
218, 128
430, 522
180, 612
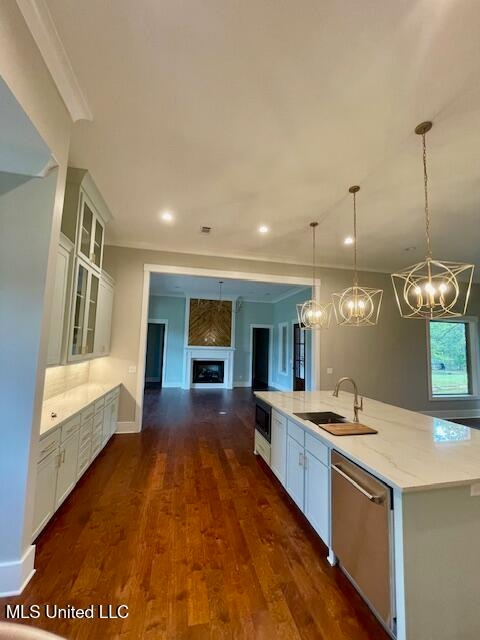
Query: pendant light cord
355, 273
425, 186
314, 271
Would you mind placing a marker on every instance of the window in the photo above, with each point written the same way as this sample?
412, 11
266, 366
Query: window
453, 358
283, 347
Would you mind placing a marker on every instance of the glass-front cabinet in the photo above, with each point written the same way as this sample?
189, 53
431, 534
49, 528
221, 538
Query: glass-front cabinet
91, 231
84, 311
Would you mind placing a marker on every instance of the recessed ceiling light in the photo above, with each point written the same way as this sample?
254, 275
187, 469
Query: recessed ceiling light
263, 228
167, 216
348, 240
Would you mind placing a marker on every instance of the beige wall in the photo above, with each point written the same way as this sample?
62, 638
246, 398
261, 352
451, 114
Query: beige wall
389, 361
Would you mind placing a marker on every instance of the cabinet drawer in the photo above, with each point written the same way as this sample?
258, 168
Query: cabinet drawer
316, 448
96, 444
262, 447
88, 413
48, 444
296, 432
83, 460
85, 436
279, 419
98, 419
97, 429
70, 426
99, 404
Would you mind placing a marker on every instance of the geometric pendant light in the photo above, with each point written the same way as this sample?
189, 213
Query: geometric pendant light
311, 314
357, 306
432, 288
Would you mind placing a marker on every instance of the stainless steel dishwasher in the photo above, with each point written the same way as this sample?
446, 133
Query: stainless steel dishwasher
362, 538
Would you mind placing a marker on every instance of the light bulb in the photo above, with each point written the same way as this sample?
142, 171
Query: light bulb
429, 288
443, 288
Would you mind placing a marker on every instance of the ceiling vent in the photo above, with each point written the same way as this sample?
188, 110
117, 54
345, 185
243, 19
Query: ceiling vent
205, 229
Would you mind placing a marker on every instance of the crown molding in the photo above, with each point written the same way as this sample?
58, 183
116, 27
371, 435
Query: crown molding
42, 27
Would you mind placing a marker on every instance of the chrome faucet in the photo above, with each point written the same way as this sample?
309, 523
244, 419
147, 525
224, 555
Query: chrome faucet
357, 406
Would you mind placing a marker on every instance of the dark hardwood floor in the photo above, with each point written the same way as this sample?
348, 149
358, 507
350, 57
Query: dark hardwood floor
188, 528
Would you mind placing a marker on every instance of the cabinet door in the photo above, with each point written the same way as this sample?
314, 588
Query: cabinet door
278, 456
104, 319
91, 234
67, 471
94, 282
295, 471
114, 416
87, 231
45, 492
107, 422
55, 335
317, 496
79, 310
97, 253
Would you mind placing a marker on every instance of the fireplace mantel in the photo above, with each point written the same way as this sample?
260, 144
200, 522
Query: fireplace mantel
208, 353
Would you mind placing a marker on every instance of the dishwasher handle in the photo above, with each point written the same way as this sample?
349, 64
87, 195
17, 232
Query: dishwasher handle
370, 496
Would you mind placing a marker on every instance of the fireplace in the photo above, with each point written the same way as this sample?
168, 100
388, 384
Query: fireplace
208, 371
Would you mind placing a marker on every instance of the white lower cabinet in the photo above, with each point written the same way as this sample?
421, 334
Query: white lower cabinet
295, 471
67, 470
317, 496
45, 492
308, 478
66, 452
278, 449
110, 420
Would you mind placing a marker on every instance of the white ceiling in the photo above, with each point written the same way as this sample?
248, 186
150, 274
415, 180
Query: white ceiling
233, 114
197, 286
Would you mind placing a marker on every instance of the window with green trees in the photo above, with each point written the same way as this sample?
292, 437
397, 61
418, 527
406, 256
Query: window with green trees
449, 358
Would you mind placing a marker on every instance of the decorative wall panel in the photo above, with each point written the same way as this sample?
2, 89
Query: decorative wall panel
210, 323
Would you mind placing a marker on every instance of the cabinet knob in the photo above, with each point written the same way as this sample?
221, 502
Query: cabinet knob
53, 414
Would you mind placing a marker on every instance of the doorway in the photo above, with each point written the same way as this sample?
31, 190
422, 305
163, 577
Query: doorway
155, 356
261, 339
299, 355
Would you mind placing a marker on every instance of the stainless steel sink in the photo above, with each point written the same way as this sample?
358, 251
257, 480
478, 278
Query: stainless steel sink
322, 417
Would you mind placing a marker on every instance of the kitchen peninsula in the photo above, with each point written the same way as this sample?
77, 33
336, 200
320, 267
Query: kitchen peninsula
430, 473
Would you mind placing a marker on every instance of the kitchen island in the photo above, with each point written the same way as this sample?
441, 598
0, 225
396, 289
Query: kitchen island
432, 469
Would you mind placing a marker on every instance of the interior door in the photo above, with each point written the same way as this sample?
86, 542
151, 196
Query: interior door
299, 353
260, 357
154, 356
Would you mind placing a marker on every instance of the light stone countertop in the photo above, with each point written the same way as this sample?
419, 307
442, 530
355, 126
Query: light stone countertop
67, 404
411, 451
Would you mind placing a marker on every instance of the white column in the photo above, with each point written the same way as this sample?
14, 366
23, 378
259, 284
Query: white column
30, 210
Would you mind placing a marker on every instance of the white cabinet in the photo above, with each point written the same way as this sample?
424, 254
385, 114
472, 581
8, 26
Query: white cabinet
84, 311
90, 232
295, 484
278, 454
89, 296
110, 419
67, 470
317, 496
59, 302
308, 477
45, 492
67, 451
104, 316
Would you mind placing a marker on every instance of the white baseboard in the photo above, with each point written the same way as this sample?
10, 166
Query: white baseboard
14, 576
242, 383
172, 385
127, 427
453, 413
